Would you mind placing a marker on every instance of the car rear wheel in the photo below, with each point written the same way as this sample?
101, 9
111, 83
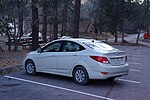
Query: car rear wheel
111, 79
80, 76
30, 67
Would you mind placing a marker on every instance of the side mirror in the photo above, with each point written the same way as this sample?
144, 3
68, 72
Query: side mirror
39, 50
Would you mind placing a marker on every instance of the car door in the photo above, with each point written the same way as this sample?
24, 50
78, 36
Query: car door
47, 59
68, 57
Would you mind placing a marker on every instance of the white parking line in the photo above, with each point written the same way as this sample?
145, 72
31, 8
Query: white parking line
128, 53
135, 63
134, 58
134, 70
58, 87
136, 53
129, 81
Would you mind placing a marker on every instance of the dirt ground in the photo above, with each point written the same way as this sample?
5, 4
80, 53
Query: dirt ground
10, 58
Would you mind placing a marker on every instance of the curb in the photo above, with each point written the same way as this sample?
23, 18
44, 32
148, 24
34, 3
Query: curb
10, 69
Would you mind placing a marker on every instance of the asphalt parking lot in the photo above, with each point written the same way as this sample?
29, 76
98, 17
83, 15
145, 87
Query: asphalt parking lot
134, 86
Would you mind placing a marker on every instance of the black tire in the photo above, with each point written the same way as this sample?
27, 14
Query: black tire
80, 76
30, 67
111, 79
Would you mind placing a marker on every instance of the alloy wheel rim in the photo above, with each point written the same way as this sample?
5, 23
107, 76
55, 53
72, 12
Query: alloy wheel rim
80, 75
30, 68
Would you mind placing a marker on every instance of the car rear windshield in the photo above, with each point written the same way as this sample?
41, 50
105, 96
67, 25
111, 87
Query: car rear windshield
94, 44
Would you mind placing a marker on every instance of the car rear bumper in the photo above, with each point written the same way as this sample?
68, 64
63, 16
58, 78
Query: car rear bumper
113, 71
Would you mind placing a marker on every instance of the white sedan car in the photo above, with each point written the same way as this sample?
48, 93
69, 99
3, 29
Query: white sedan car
82, 59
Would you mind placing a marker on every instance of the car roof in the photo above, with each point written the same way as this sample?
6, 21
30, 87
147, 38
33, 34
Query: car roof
77, 39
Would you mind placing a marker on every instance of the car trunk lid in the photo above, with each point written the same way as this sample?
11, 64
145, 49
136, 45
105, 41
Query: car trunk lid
117, 58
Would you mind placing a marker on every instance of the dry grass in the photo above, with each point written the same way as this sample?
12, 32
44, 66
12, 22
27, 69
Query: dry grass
11, 58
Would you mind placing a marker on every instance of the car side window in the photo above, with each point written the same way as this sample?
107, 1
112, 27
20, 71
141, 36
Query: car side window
71, 47
54, 47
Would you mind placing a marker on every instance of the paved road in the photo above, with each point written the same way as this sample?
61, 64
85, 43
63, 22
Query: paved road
135, 86
132, 39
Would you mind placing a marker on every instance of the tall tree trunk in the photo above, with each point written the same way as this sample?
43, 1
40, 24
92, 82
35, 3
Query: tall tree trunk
20, 29
35, 25
116, 19
86, 30
116, 36
7, 33
123, 31
123, 21
20, 26
44, 21
50, 31
147, 5
71, 23
138, 36
9, 37
64, 18
9, 40
77, 18
55, 24
115, 31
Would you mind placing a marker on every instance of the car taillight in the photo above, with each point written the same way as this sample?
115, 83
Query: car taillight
100, 59
104, 73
